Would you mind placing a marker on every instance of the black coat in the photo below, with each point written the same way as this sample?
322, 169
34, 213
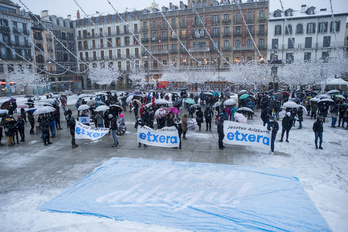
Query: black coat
287, 122
318, 127
274, 126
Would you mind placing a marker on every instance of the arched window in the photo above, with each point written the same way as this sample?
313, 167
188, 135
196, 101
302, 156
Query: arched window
199, 4
299, 29
278, 30
288, 30
204, 3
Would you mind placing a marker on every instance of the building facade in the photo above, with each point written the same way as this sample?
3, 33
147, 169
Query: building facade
204, 34
15, 27
107, 40
307, 34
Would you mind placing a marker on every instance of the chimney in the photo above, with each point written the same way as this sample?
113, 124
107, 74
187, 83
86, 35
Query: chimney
44, 13
303, 8
170, 5
78, 14
69, 17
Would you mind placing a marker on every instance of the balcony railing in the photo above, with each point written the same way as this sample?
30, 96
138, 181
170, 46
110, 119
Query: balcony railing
239, 48
203, 49
228, 34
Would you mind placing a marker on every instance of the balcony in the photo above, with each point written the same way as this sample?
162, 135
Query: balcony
215, 35
240, 48
4, 29
262, 33
226, 35
261, 47
215, 22
160, 52
164, 27
163, 39
145, 40
173, 51
227, 22
144, 29
183, 37
183, 25
203, 49
197, 24
239, 33
226, 49
262, 20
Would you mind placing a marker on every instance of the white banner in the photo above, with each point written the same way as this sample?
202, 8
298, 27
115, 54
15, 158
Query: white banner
165, 137
247, 135
87, 132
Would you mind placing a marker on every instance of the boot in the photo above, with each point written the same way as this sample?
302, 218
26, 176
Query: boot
75, 146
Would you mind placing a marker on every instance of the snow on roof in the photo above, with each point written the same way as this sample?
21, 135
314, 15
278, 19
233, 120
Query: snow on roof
298, 14
336, 81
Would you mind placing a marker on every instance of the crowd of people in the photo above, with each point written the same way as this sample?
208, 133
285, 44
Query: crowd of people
204, 107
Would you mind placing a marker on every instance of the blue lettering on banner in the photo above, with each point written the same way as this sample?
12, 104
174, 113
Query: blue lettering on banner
158, 139
243, 137
82, 131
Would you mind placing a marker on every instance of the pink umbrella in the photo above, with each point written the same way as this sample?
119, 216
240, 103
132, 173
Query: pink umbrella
240, 118
162, 112
174, 110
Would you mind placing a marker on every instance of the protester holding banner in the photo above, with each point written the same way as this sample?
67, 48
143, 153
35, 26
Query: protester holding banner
140, 123
220, 131
274, 127
179, 128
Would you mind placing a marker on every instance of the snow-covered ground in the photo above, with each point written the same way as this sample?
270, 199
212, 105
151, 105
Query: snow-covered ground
323, 173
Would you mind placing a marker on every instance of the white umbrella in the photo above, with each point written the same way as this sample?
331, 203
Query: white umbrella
83, 107
101, 108
290, 104
340, 96
242, 92
44, 110
245, 109
216, 104
314, 99
129, 98
161, 102
230, 102
323, 96
333, 91
240, 118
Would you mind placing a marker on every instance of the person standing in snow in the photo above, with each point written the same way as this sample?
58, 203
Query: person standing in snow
113, 128
273, 126
318, 131
139, 122
184, 125
208, 115
178, 126
220, 131
199, 118
286, 126
71, 124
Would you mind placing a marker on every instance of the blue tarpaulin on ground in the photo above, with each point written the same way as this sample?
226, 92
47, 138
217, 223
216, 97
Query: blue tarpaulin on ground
193, 196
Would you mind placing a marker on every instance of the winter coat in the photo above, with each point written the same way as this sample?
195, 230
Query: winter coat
220, 127
199, 115
184, 124
31, 117
287, 122
265, 115
113, 124
71, 123
274, 126
318, 127
208, 114
300, 114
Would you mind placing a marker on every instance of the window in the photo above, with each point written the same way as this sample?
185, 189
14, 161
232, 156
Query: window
262, 29
237, 43
164, 34
261, 43
1, 68
322, 27
278, 30
335, 26
307, 56
226, 31
325, 56
326, 41
163, 24
274, 43
289, 58
238, 32
215, 45
288, 30
237, 17
173, 47
215, 19
310, 27
262, 14
226, 44
308, 42
291, 42
154, 35
250, 16
154, 26
299, 29
183, 21
249, 43
226, 17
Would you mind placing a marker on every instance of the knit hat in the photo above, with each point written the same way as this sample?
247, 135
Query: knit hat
121, 115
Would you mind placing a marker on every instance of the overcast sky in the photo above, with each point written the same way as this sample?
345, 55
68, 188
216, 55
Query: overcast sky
69, 7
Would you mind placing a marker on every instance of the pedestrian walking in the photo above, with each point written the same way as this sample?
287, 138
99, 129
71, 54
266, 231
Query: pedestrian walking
184, 126
318, 132
199, 116
208, 115
21, 126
